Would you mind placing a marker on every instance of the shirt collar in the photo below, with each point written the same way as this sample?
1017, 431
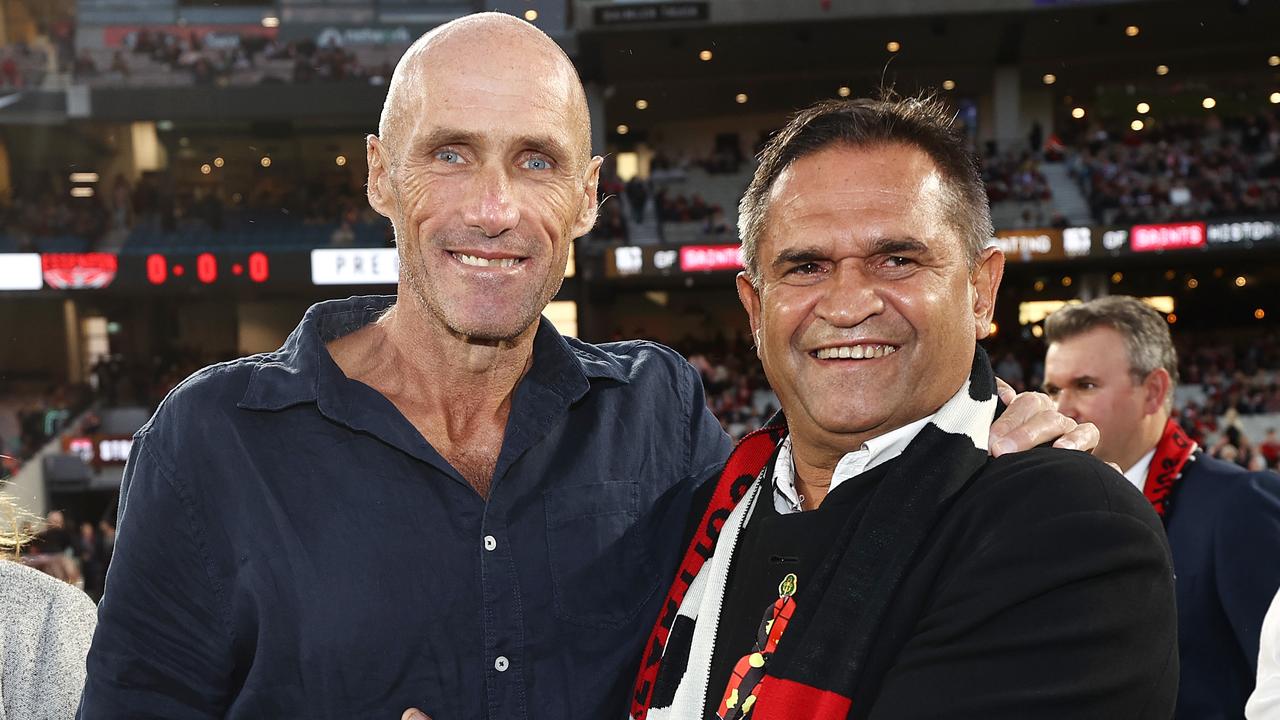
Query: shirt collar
874, 452
293, 374
1137, 475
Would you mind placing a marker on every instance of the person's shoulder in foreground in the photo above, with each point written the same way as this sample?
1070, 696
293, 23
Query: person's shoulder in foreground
44, 637
1048, 585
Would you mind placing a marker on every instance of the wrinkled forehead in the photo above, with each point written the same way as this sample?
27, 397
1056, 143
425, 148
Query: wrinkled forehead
875, 174
860, 193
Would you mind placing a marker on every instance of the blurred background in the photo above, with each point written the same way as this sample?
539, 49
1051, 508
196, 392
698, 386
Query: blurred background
180, 179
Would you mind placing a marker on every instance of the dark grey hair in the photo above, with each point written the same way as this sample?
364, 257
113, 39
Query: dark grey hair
922, 122
1144, 329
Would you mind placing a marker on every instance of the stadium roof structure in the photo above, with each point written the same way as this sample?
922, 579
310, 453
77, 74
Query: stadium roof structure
784, 65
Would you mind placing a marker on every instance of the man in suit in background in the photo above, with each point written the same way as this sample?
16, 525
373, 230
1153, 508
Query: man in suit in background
1111, 362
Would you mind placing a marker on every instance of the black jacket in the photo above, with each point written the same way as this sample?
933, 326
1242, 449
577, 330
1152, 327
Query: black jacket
1046, 591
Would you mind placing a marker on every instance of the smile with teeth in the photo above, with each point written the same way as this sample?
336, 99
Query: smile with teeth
485, 262
855, 352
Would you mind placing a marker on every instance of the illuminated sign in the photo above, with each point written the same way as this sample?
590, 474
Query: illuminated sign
1077, 241
20, 271
651, 12
1169, 236
99, 450
628, 260
79, 271
1027, 245
707, 258
207, 268
665, 259
354, 266
1243, 232
1115, 240
345, 36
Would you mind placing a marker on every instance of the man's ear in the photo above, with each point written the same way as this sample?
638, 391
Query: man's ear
750, 298
985, 279
1155, 388
590, 200
379, 187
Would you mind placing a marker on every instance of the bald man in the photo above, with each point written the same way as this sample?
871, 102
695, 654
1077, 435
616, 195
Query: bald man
432, 500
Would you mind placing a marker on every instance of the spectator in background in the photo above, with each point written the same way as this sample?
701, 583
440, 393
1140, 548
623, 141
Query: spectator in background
611, 225
716, 225
85, 67
1270, 448
107, 533
638, 192
55, 538
344, 235
1009, 369
47, 628
119, 65
9, 72
88, 550
1111, 362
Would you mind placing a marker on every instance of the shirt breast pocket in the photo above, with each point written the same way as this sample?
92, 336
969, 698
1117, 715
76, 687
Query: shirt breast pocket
600, 570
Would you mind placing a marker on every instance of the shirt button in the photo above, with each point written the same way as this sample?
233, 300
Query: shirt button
501, 664
490, 543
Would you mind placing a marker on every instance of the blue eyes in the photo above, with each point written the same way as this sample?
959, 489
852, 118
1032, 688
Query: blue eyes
453, 157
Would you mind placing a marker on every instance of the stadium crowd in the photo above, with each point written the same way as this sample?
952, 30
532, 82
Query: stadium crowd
1014, 177
248, 59
46, 220
1181, 169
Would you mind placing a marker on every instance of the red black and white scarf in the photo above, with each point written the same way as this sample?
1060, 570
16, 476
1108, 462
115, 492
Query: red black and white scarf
812, 672
1174, 451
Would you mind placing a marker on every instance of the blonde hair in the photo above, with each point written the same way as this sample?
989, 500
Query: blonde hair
12, 538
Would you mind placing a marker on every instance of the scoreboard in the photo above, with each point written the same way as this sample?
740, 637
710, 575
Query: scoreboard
249, 269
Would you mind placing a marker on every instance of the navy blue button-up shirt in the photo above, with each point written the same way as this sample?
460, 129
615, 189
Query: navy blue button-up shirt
290, 546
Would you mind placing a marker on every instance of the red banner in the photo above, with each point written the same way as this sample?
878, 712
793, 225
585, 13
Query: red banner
1170, 236
705, 258
78, 271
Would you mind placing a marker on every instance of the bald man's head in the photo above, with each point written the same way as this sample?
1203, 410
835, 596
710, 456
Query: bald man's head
487, 45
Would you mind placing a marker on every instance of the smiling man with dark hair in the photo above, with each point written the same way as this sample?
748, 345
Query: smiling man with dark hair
875, 561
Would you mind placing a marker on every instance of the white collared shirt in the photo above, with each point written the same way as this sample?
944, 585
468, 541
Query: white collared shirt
1137, 475
874, 452
1264, 704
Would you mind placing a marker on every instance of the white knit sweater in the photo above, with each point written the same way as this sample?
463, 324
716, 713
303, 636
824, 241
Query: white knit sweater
45, 629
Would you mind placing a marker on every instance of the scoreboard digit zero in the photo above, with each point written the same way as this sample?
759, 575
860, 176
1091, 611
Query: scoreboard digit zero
165, 269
